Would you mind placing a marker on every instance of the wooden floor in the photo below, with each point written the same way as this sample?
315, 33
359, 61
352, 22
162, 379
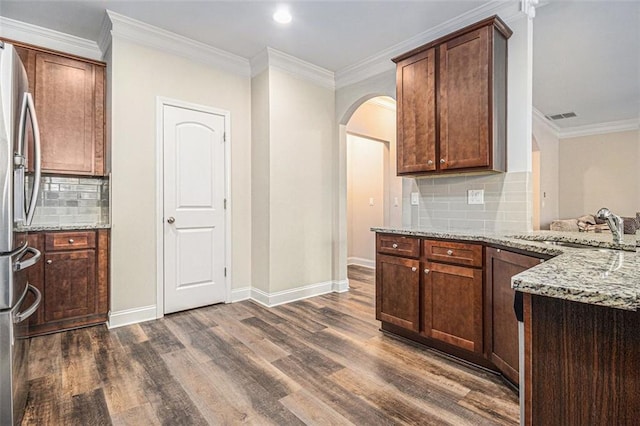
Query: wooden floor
318, 361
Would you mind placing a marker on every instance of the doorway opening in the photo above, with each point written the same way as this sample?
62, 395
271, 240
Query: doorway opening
374, 193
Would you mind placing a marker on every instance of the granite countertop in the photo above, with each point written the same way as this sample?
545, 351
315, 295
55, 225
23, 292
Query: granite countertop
40, 228
606, 275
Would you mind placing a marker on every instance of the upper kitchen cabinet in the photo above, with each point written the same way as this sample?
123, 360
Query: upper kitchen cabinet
452, 102
69, 95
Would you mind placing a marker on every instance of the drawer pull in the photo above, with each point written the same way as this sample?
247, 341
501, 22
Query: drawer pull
450, 252
498, 251
49, 262
394, 245
71, 241
426, 271
413, 269
541, 260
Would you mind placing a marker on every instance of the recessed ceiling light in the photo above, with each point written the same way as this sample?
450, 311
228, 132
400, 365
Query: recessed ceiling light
282, 16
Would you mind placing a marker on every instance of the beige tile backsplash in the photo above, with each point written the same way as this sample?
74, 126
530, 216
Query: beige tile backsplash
443, 202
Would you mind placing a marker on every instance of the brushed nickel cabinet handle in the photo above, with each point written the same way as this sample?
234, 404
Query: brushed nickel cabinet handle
541, 260
426, 271
498, 251
413, 269
394, 245
71, 241
449, 252
430, 162
442, 161
49, 262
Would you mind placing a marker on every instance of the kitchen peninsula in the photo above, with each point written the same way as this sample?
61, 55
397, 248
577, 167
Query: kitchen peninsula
581, 321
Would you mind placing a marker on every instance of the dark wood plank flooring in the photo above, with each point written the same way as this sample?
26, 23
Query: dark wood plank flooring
317, 361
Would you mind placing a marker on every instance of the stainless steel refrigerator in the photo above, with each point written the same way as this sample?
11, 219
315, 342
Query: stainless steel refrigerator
18, 124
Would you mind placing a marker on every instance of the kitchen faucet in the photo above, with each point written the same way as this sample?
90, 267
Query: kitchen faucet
615, 223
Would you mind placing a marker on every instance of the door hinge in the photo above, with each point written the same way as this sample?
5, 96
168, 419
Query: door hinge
225, 272
225, 203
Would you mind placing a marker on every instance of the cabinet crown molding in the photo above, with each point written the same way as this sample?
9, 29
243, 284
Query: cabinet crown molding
50, 39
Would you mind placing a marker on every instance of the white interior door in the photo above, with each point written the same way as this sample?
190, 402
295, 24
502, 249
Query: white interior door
194, 198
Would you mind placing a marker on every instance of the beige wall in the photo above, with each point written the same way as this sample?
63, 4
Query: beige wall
600, 171
548, 145
260, 178
366, 161
297, 181
140, 74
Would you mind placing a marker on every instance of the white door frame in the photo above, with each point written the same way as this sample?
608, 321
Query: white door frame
161, 102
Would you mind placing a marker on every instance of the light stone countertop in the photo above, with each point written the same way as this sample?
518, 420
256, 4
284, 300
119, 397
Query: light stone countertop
40, 228
607, 275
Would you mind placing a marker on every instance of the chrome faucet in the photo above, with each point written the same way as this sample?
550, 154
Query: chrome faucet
615, 223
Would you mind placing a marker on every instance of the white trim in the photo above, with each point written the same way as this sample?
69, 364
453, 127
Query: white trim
131, 316
240, 294
272, 58
588, 129
359, 261
599, 128
161, 102
286, 296
381, 62
51, 39
386, 102
157, 38
104, 38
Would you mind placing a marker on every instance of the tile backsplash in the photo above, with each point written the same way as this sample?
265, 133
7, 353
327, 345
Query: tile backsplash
72, 201
443, 202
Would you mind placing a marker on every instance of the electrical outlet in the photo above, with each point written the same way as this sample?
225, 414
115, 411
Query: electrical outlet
415, 198
475, 196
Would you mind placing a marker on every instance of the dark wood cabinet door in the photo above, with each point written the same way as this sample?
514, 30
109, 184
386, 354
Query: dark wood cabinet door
502, 326
452, 305
464, 102
65, 102
397, 291
70, 289
416, 114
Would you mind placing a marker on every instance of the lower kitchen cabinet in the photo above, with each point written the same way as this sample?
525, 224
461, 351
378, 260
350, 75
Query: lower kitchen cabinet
501, 334
73, 280
452, 305
398, 291
453, 296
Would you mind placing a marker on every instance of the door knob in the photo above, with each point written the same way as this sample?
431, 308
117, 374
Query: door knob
171, 219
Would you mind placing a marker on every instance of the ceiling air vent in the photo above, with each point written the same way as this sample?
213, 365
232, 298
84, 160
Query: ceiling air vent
555, 117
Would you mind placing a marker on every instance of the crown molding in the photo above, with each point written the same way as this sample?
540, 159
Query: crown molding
600, 128
147, 35
586, 130
104, 38
381, 62
545, 122
272, 58
51, 39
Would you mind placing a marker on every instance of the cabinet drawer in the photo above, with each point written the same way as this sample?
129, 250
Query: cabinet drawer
398, 245
70, 240
457, 253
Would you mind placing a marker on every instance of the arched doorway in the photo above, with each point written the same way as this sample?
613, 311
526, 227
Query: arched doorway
373, 192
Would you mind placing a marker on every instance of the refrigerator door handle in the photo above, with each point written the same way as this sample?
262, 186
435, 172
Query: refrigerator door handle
21, 316
20, 264
37, 160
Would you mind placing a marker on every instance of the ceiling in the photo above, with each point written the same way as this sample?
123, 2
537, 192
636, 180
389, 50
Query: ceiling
586, 53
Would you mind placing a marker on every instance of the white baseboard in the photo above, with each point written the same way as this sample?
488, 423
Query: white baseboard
286, 296
239, 294
340, 286
359, 261
131, 316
